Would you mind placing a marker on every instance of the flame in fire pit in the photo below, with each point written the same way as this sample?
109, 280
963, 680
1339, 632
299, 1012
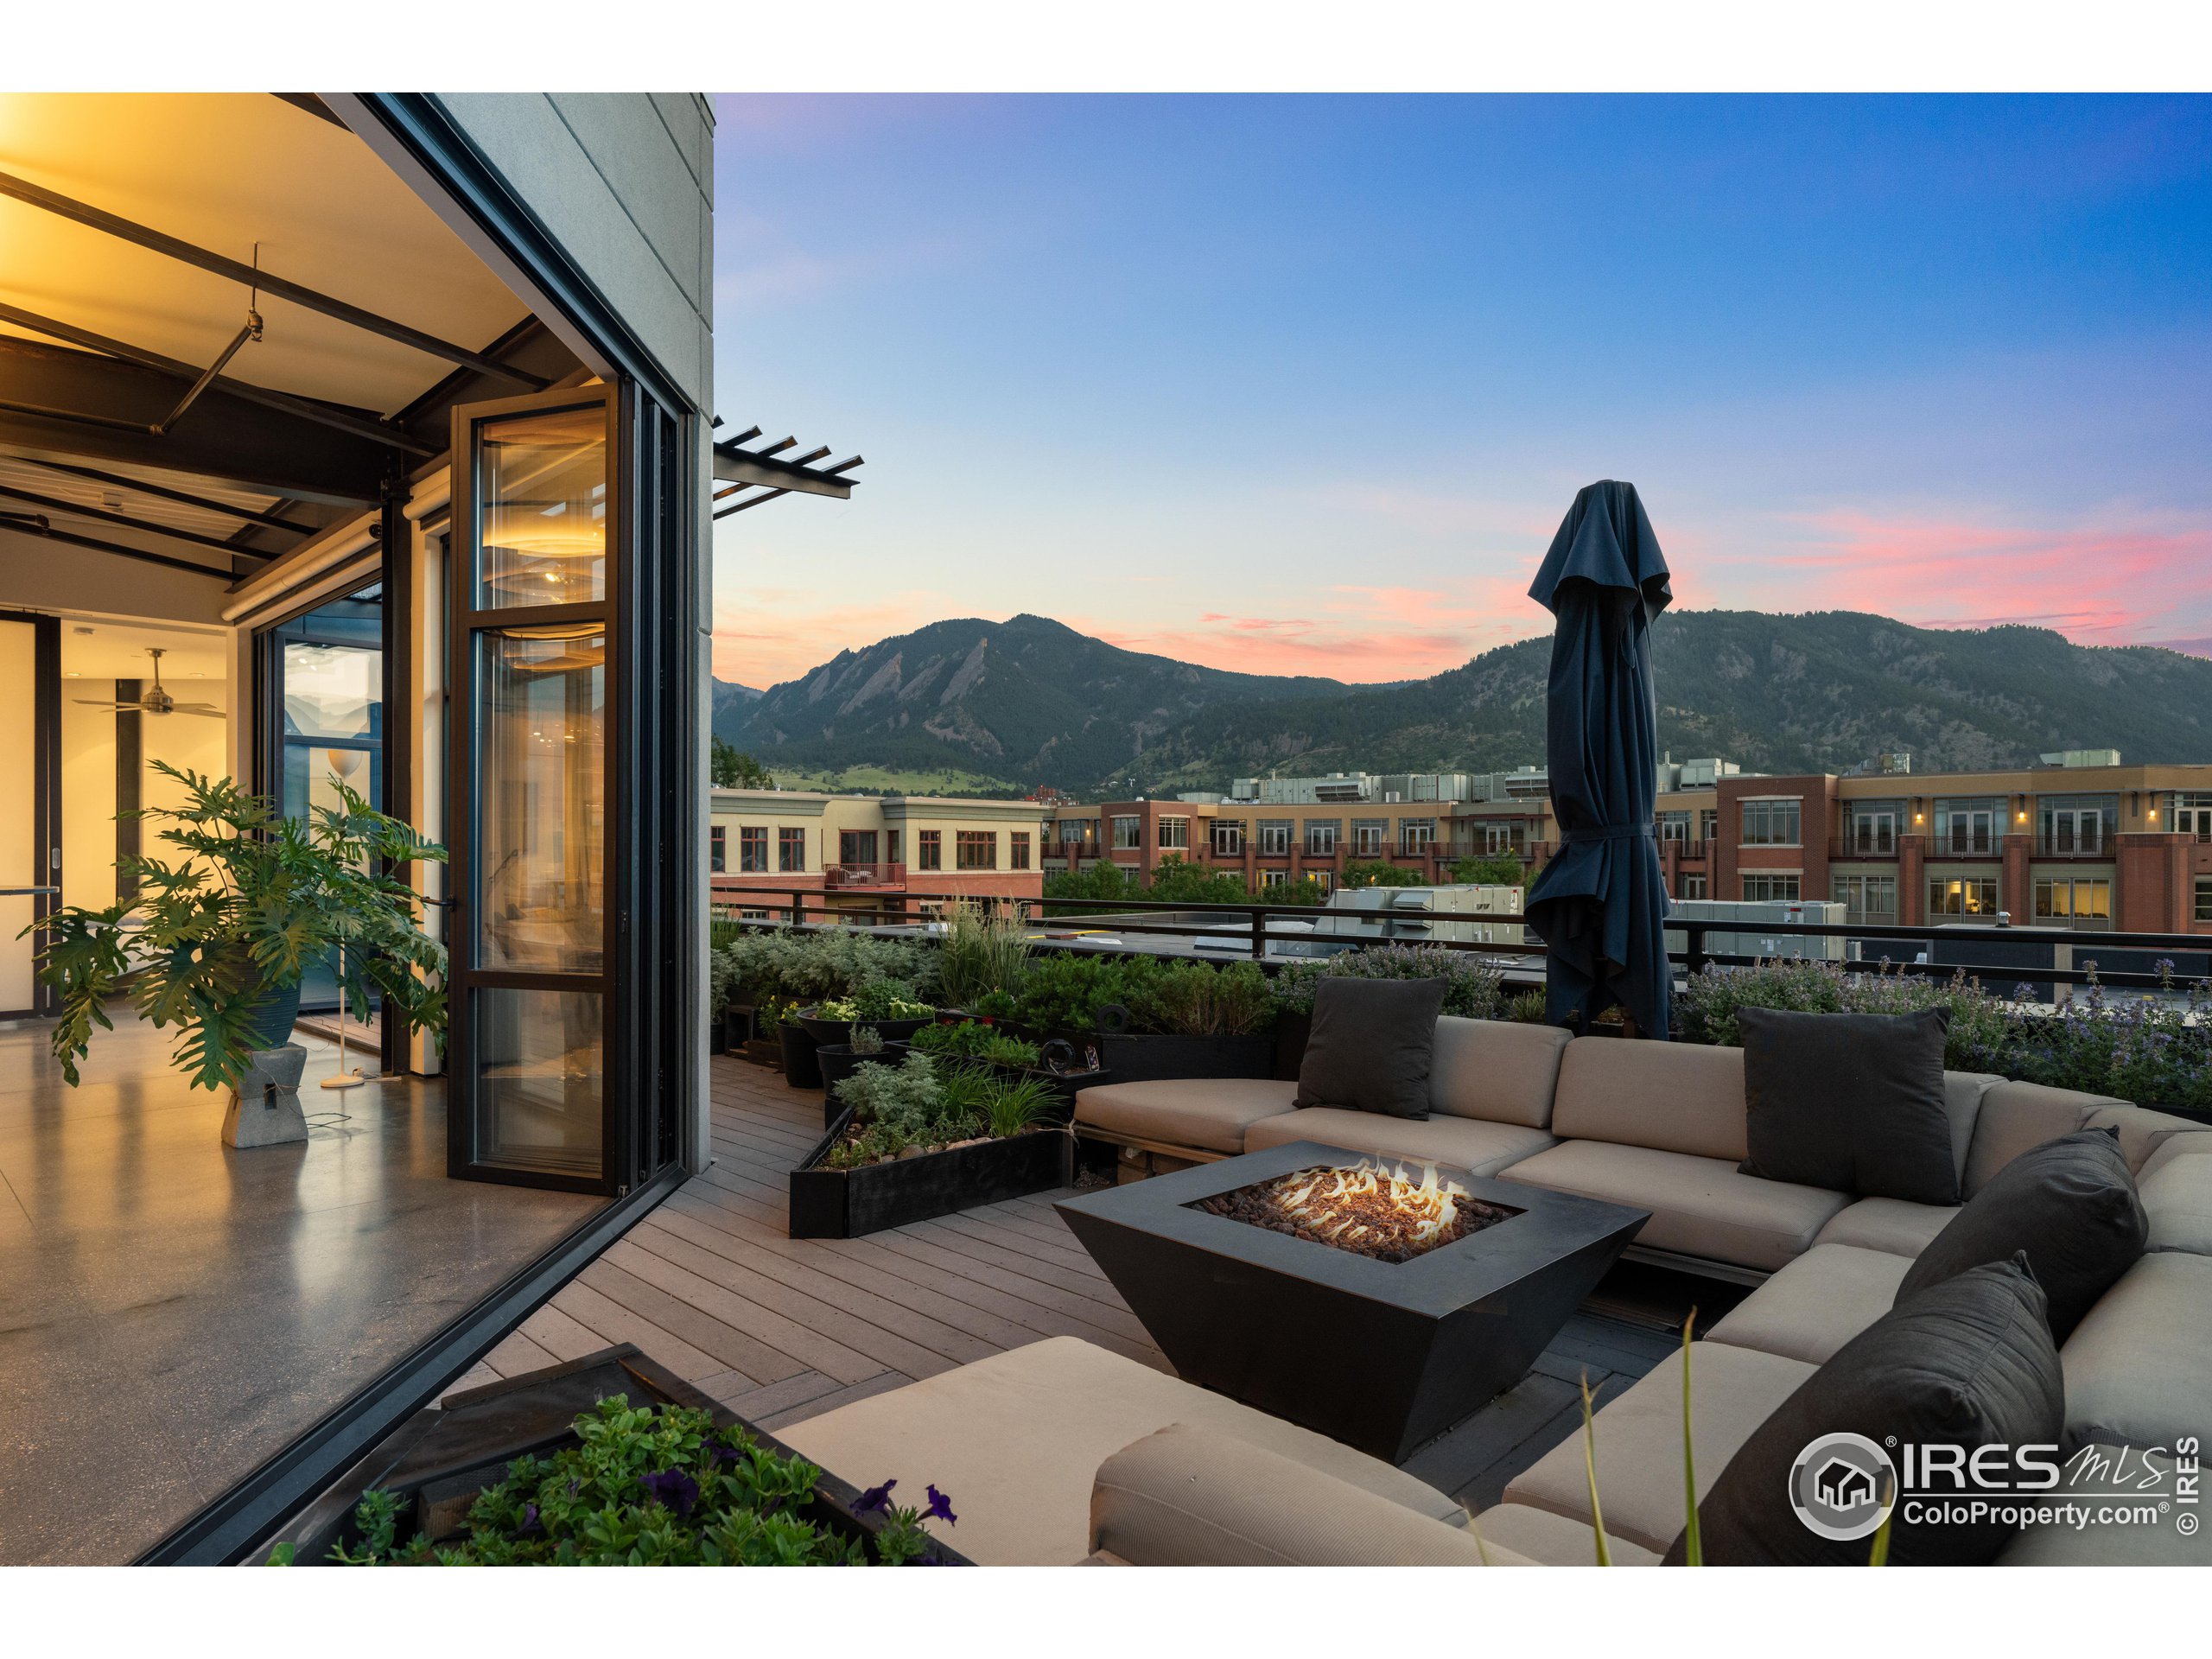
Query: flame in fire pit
1366, 1205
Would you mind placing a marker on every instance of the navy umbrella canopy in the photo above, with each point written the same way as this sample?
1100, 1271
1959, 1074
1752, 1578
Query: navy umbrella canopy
1600, 905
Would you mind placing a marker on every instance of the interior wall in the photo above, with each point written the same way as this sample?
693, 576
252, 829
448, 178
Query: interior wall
88, 795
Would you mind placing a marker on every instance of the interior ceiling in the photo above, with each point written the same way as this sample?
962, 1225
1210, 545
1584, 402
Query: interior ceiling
226, 171
116, 650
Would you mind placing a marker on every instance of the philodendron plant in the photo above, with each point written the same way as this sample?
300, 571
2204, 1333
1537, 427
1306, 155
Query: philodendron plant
218, 935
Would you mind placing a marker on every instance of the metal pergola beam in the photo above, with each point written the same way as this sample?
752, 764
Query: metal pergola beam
306, 409
53, 201
747, 466
183, 498
111, 406
29, 524
123, 520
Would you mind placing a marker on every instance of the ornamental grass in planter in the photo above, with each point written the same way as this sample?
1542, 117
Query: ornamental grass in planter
927, 1138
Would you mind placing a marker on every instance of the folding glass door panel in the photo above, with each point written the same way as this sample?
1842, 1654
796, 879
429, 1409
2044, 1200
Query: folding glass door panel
30, 835
535, 659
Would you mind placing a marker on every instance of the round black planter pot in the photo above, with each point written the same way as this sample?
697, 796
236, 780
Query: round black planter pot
801, 1070
840, 1031
837, 1061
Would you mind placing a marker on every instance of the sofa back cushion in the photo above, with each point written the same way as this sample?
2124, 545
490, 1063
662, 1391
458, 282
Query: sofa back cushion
2142, 1131
2016, 1116
1669, 1097
1374, 1042
1504, 1071
1854, 1102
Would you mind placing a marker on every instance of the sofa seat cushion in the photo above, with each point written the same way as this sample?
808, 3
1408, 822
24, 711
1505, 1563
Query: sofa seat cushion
1505, 1071
1699, 1207
1639, 1442
1017, 1440
2137, 1365
1552, 1540
1464, 1143
2180, 1143
1208, 1113
1816, 1304
2098, 1475
1889, 1224
1189, 1497
2177, 1197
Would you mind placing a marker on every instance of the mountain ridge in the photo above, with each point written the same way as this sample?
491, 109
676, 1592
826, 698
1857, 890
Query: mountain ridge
1033, 701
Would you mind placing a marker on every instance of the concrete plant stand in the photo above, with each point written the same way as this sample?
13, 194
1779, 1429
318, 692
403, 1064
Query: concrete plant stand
265, 1108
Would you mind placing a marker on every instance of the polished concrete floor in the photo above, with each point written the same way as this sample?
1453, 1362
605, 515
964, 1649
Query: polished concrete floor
173, 1310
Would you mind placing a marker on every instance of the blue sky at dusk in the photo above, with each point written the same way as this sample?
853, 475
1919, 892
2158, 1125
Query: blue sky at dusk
1304, 384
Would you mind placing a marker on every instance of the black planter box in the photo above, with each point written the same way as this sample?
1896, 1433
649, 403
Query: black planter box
763, 1051
801, 1070
826, 1032
850, 1203
439, 1459
1384, 1356
1127, 1058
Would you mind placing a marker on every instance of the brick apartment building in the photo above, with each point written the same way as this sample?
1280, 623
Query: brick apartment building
866, 853
2080, 842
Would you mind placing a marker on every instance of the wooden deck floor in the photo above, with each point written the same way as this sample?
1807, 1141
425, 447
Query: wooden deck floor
782, 1329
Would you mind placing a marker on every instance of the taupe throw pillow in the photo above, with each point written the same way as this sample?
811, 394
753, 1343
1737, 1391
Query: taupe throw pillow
1850, 1102
1372, 1045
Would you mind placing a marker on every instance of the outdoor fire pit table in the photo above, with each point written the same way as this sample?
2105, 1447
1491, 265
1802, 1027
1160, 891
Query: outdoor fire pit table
1384, 1354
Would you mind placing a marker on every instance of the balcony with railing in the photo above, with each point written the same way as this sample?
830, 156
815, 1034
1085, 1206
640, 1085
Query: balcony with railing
1865, 844
844, 878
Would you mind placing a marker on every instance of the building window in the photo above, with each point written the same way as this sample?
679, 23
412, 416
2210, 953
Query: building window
1370, 837
1269, 879
1275, 838
1228, 838
1692, 886
2192, 816
1674, 826
752, 849
1964, 896
1969, 827
1708, 824
1416, 835
718, 849
1505, 840
975, 849
1761, 888
1174, 834
895, 846
2075, 823
790, 849
1078, 832
1128, 835
928, 848
857, 846
1321, 837
1772, 823
2204, 898
2061, 899
1868, 898
1017, 849
1870, 828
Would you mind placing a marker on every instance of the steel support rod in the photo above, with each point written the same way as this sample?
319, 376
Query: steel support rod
83, 214
305, 409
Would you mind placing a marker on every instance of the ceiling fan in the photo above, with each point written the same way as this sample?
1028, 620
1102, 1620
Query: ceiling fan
157, 701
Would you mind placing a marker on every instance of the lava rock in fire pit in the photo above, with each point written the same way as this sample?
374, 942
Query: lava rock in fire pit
1361, 1209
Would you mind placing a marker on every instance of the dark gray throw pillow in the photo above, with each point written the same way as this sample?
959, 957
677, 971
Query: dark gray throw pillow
1967, 1362
2069, 1204
1851, 1101
1372, 1045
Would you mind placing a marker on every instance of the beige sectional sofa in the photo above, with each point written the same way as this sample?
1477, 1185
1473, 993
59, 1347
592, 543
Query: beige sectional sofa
1065, 1452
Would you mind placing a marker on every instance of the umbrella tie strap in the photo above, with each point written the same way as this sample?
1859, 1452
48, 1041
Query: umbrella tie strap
1608, 832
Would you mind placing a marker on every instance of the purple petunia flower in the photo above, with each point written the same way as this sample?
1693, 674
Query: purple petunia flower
676, 1491
940, 1506
876, 1500
530, 1521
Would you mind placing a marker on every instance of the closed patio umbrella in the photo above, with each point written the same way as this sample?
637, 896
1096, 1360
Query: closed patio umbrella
1600, 905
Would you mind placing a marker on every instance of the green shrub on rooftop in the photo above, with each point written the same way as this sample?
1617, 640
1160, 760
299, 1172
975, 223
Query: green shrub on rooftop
1471, 987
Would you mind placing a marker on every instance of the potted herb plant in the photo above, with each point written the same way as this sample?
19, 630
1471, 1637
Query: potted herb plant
214, 940
840, 1060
